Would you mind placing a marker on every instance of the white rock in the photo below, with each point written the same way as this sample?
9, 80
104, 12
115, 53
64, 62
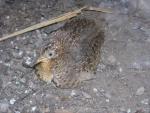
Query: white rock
33, 108
28, 61
12, 101
7, 17
120, 69
17, 82
1, 61
95, 90
107, 100
12, 42
145, 101
129, 110
73, 93
17, 111
140, 91
26, 91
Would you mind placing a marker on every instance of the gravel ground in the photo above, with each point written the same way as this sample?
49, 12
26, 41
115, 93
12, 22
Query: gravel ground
123, 76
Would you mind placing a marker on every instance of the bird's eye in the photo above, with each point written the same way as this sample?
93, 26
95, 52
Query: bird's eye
50, 54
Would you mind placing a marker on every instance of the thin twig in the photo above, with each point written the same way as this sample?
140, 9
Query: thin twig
90, 8
54, 20
45, 23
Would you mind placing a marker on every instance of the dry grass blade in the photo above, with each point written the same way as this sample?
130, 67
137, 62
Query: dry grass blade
98, 9
45, 23
54, 20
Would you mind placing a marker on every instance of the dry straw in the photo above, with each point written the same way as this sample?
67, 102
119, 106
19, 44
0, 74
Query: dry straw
54, 20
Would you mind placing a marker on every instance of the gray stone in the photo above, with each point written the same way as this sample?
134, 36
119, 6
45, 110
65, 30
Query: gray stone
28, 62
12, 101
86, 95
18, 54
140, 91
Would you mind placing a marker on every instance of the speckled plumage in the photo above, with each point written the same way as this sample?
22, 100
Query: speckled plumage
72, 54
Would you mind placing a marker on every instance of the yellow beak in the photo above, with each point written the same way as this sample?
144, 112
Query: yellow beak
41, 59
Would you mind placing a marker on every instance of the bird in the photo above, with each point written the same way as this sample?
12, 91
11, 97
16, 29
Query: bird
72, 54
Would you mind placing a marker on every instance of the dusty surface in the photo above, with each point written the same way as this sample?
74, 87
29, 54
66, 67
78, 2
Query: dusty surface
122, 80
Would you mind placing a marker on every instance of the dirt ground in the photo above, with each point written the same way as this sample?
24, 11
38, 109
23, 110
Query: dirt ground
123, 76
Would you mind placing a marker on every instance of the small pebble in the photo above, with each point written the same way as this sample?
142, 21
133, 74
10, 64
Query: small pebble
7, 64
23, 80
17, 111
107, 100
129, 110
1, 61
31, 101
122, 110
111, 59
136, 65
12, 101
139, 111
17, 83
145, 101
7, 17
28, 61
102, 90
38, 34
86, 95
34, 54
26, 91
101, 67
140, 91
120, 69
12, 42
73, 93
34, 94
18, 54
107, 95
33, 108
95, 90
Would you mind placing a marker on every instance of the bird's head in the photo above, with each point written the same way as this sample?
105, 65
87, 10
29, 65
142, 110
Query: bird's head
50, 58
47, 56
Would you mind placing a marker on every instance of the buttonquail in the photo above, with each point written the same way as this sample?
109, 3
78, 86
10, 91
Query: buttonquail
72, 55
